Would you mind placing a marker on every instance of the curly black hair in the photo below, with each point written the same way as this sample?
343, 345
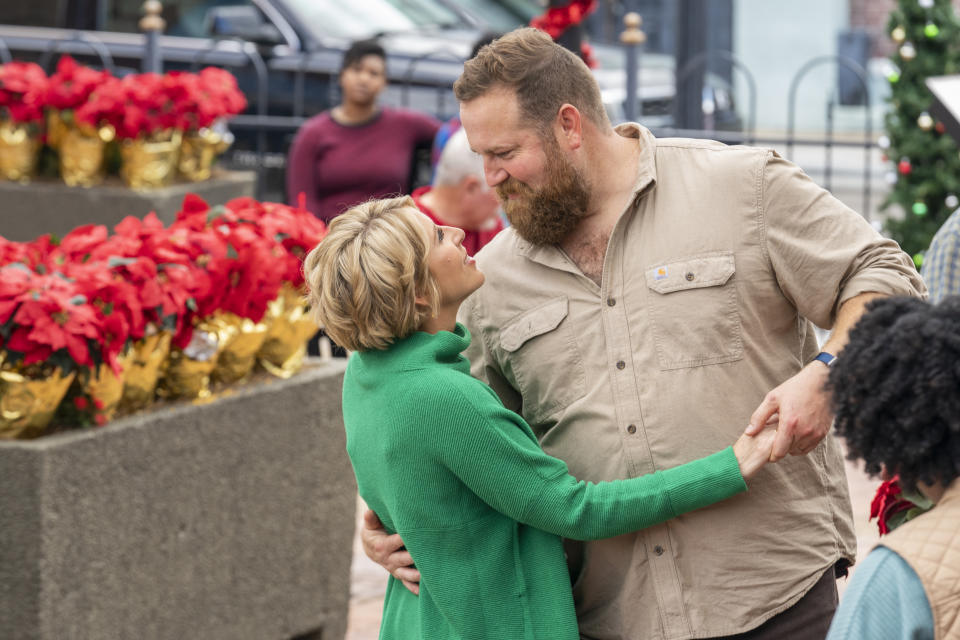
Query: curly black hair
896, 390
359, 49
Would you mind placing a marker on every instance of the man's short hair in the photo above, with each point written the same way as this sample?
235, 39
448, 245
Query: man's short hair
364, 275
358, 50
457, 161
896, 390
543, 74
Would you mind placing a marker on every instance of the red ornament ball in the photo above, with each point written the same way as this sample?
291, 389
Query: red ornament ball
904, 167
939, 127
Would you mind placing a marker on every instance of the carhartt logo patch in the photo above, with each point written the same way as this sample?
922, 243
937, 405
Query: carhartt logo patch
661, 274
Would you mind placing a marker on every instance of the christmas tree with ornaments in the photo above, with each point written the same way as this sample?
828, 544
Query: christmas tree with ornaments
925, 178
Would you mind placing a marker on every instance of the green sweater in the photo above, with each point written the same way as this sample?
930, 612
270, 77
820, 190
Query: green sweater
479, 505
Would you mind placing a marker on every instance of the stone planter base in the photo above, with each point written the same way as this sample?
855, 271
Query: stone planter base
231, 520
50, 206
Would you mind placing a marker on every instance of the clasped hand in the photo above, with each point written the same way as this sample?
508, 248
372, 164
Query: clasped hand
801, 407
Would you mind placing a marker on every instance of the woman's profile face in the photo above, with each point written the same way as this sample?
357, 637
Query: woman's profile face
454, 271
364, 80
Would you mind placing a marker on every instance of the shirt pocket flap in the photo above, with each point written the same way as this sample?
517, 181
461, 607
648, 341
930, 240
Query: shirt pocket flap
691, 273
534, 322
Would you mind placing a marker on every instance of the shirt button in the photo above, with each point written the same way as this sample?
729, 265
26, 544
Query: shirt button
658, 550
611, 302
621, 364
631, 428
689, 276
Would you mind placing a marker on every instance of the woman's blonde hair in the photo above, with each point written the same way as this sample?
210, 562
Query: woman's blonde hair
364, 276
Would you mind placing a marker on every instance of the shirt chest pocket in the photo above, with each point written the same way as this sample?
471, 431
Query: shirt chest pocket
694, 311
542, 360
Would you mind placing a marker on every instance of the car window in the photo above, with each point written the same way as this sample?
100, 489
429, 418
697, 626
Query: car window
350, 20
501, 15
428, 13
31, 14
183, 17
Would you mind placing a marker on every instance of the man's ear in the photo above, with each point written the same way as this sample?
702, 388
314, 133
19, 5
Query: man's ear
569, 126
471, 184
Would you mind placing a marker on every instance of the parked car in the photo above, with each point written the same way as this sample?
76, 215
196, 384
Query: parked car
286, 55
656, 78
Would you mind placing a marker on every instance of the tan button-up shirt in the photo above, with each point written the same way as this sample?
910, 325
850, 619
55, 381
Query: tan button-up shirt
712, 277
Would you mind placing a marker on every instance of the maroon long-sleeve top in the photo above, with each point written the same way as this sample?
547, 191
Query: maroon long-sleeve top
338, 166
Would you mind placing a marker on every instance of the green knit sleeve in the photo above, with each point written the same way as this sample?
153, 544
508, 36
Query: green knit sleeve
494, 453
587, 511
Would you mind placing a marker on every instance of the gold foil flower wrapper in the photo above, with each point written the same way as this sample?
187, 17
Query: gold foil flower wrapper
198, 152
56, 127
285, 347
28, 404
187, 371
147, 356
82, 150
150, 163
18, 151
239, 351
98, 396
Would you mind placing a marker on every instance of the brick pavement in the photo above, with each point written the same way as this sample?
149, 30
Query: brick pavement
369, 581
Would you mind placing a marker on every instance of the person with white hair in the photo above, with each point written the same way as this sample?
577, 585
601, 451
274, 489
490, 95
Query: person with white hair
460, 197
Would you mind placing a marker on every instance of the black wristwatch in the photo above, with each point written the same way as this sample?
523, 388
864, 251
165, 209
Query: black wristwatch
826, 358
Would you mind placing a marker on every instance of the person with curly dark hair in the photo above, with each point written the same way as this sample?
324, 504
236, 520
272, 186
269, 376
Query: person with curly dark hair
896, 393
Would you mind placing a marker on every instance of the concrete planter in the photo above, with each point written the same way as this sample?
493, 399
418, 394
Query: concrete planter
49, 206
232, 520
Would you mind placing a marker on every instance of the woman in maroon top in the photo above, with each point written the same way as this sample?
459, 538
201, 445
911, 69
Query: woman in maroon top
357, 150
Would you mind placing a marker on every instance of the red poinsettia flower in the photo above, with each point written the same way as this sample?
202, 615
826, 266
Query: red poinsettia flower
72, 84
23, 88
77, 246
295, 228
219, 89
146, 105
44, 317
118, 305
556, 20
35, 253
242, 259
887, 502
11, 251
168, 266
104, 105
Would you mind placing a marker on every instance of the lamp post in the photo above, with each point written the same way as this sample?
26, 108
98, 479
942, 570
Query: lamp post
152, 26
632, 39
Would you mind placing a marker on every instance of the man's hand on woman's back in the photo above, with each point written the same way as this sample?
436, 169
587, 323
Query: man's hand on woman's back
388, 551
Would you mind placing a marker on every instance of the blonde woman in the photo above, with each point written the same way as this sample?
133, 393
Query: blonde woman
479, 505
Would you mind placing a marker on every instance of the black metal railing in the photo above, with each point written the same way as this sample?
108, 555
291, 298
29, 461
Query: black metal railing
259, 124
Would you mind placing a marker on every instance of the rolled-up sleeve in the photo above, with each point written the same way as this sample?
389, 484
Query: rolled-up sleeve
822, 252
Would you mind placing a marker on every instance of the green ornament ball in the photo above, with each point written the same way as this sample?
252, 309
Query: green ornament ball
893, 77
919, 209
931, 30
918, 260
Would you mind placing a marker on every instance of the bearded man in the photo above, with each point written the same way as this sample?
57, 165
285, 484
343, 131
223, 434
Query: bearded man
652, 298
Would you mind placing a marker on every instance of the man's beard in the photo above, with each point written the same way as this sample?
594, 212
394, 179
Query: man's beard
549, 214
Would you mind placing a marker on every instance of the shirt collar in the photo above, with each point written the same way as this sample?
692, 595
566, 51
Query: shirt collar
646, 179
647, 150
